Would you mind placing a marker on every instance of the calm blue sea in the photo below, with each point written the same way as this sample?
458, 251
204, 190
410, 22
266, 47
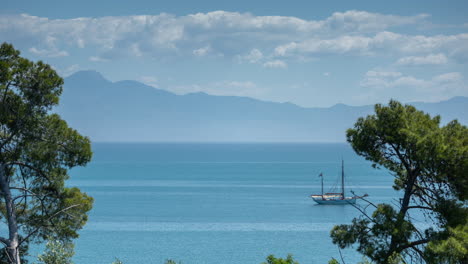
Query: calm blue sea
218, 203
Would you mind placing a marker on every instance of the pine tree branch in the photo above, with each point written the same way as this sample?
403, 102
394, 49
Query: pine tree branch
18, 163
4, 241
420, 207
48, 219
413, 244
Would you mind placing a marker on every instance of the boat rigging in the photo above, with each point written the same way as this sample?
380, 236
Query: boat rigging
335, 198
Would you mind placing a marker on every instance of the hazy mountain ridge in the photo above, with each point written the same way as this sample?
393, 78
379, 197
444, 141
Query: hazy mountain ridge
131, 111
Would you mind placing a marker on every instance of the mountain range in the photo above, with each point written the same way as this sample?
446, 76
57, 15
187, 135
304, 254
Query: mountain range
129, 111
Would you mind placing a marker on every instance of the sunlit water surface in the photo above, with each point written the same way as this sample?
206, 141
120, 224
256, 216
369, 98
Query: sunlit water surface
218, 203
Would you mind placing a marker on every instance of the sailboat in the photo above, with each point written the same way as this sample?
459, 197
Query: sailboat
335, 198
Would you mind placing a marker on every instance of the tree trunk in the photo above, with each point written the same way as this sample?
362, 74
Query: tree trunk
396, 241
13, 240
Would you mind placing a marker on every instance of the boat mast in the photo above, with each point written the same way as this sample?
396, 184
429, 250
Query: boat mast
342, 179
321, 176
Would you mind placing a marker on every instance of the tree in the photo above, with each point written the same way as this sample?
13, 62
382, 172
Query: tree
36, 149
57, 252
429, 163
272, 260
117, 261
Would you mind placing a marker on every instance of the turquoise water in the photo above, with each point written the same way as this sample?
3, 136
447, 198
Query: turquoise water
217, 203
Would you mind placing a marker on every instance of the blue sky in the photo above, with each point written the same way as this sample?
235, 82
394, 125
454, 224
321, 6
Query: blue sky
311, 53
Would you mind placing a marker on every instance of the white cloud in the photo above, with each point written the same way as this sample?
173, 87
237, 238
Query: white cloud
256, 56
382, 79
409, 81
69, 70
97, 59
275, 64
339, 45
384, 42
431, 59
326, 74
149, 80
253, 56
392, 79
409, 88
53, 53
236, 84
202, 51
385, 79
379, 79
135, 50
428, 44
234, 21
220, 32
363, 21
448, 77
283, 49
372, 74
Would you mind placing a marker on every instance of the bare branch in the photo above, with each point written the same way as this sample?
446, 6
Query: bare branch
341, 255
24, 196
413, 244
25, 191
25, 186
22, 189
362, 212
420, 207
419, 251
4, 240
369, 202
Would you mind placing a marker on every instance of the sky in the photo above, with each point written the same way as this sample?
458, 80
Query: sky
310, 53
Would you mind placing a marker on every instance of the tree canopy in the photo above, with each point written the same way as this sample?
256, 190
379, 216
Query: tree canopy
273, 260
429, 163
36, 150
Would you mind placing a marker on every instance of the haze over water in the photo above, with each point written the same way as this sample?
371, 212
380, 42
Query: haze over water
218, 203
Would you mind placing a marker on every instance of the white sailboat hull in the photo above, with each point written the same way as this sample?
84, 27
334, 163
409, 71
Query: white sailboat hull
347, 200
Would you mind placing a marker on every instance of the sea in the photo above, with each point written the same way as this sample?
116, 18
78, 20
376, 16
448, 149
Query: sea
220, 203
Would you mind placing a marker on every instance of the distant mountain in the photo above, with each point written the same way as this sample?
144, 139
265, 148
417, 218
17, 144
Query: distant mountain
133, 112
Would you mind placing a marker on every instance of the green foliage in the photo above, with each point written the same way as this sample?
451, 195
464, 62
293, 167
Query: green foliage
272, 260
36, 150
57, 252
394, 259
451, 249
333, 261
370, 234
117, 261
364, 261
429, 163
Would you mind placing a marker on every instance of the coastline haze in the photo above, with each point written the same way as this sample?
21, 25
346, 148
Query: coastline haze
130, 111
